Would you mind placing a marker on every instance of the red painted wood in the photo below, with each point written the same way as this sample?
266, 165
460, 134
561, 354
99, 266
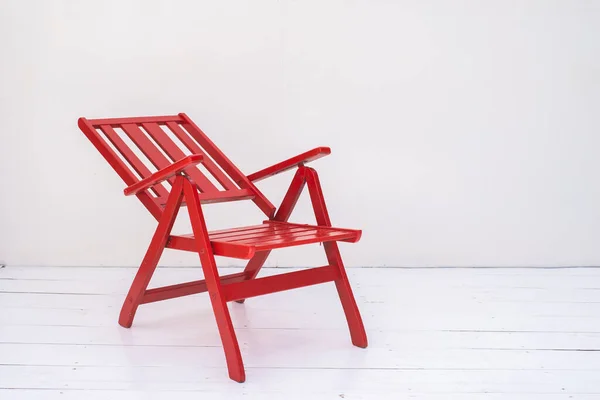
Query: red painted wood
232, 250
112, 158
243, 243
225, 233
146, 146
291, 197
235, 366
283, 214
230, 195
163, 174
251, 242
131, 158
357, 233
281, 234
185, 289
278, 283
271, 232
296, 239
355, 323
221, 159
290, 163
192, 137
220, 197
115, 162
155, 250
115, 122
175, 153
192, 146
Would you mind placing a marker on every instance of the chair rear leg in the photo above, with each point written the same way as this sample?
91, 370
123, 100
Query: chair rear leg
155, 250
283, 214
235, 365
254, 266
355, 324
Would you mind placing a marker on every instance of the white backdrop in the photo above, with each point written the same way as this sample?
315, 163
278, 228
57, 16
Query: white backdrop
464, 133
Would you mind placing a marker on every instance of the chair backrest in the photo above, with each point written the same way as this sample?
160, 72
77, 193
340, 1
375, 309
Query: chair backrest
139, 146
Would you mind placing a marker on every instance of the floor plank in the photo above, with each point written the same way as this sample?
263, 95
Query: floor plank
448, 333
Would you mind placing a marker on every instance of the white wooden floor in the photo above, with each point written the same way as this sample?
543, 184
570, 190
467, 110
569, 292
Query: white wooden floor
434, 334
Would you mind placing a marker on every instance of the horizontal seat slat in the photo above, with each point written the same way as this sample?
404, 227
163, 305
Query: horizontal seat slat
291, 237
244, 242
320, 227
223, 233
280, 235
260, 235
329, 237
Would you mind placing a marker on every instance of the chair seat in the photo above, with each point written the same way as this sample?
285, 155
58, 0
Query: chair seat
245, 241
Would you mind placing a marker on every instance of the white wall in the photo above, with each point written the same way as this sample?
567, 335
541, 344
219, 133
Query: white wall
463, 132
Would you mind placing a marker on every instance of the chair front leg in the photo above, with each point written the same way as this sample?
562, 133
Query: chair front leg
355, 324
233, 356
155, 250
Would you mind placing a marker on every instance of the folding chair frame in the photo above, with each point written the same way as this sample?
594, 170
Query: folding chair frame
238, 286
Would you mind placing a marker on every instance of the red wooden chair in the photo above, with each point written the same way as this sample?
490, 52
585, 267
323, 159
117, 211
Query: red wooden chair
190, 186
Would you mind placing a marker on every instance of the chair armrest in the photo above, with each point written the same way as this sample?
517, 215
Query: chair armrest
290, 163
163, 174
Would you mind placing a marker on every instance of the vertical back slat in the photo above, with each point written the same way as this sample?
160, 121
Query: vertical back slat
131, 158
261, 200
147, 147
223, 179
119, 166
171, 149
